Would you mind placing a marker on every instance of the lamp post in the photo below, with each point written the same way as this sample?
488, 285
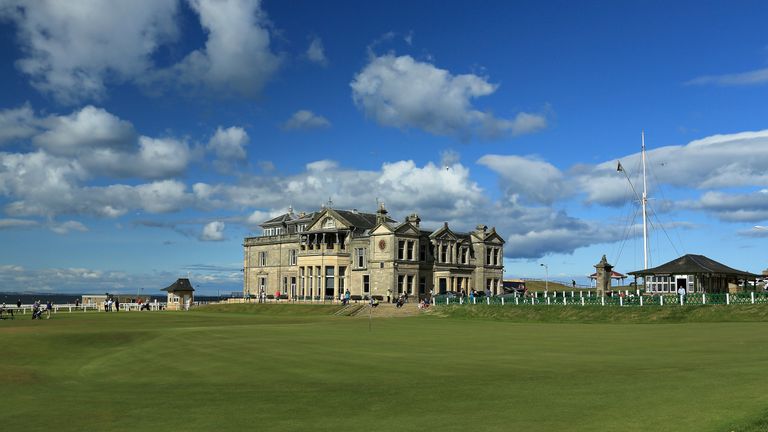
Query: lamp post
546, 277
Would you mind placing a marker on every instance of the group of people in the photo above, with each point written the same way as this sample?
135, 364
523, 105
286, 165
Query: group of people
38, 309
112, 303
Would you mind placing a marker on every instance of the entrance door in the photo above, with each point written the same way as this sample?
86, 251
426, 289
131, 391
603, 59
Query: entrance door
442, 285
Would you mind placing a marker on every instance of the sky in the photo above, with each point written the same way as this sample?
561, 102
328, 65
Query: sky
142, 140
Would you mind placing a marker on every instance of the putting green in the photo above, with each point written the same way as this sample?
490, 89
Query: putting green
301, 369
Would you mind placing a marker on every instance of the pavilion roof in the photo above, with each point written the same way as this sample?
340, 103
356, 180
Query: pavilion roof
691, 265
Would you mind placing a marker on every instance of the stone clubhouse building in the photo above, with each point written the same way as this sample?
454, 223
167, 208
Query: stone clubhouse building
320, 255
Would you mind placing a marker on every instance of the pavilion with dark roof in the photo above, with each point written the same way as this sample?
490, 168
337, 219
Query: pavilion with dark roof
180, 295
709, 275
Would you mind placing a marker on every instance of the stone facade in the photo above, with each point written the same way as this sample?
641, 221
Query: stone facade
322, 254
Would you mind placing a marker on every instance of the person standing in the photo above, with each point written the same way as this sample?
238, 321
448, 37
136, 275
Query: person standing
681, 293
117, 304
18, 304
346, 297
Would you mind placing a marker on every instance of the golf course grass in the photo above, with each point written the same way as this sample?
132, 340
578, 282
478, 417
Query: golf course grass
292, 367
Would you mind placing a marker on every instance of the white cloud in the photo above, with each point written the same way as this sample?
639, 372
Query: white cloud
229, 144
213, 231
17, 123
162, 196
17, 223
73, 48
734, 207
715, 162
527, 177
404, 93
322, 165
755, 77
100, 143
236, 59
305, 119
86, 130
316, 52
40, 184
66, 227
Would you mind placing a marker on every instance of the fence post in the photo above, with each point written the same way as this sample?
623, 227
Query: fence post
681, 300
488, 300
703, 298
727, 298
641, 299
502, 301
461, 300
446, 300
474, 300
753, 297
517, 300
582, 301
621, 301
602, 300
564, 300
661, 300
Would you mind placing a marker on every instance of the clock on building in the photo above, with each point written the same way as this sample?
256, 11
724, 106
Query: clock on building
382, 244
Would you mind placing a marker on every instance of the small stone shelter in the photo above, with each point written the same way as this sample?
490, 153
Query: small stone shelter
180, 295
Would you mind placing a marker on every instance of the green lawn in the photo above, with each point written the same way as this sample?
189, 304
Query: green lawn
285, 368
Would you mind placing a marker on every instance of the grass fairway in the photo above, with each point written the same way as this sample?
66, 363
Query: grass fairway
287, 368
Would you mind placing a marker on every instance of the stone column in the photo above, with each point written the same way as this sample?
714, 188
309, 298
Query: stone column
336, 282
603, 276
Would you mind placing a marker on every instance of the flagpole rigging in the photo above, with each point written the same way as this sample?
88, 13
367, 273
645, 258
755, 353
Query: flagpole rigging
645, 214
643, 200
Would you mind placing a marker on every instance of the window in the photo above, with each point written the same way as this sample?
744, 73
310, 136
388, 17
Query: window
292, 257
411, 284
488, 256
262, 259
328, 279
360, 258
401, 249
400, 281
422, 285
444, 254
409, 253
301, 227
366, 284
422, 253
342, 273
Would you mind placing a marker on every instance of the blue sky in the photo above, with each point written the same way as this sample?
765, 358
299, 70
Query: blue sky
141, 141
